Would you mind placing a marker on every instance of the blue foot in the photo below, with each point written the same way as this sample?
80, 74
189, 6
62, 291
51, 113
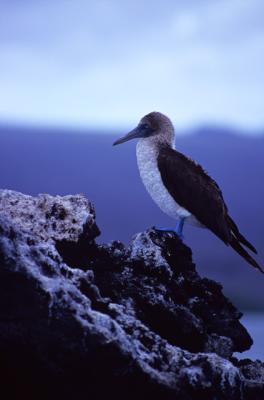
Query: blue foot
171, 230
177, 230
158, 228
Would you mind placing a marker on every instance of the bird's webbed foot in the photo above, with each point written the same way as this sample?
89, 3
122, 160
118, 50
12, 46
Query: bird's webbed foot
159, 228
178, 229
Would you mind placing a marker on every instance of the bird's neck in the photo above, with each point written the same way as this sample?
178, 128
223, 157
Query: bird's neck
148, 150
153, 144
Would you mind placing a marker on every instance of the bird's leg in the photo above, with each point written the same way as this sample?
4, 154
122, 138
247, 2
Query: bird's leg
177, 230
179, 227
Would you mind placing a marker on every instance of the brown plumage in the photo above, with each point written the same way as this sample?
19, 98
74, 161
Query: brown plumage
197, 192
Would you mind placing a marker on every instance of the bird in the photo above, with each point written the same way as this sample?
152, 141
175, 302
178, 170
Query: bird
181, 187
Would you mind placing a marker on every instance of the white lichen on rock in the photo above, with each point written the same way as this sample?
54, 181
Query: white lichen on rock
143, 249
48, 217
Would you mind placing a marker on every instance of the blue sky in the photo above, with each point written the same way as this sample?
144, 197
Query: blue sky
107, 63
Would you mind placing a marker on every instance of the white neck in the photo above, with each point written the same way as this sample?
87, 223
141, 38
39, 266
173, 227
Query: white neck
153, 143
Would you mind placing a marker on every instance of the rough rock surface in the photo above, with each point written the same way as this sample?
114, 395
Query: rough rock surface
81, 320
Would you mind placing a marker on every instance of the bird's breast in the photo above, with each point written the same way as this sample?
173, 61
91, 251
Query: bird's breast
147, 155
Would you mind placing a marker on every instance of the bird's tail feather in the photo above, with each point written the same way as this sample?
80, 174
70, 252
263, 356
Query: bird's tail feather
239, 236
234, 243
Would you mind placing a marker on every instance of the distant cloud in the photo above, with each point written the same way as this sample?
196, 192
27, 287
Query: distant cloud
108, 62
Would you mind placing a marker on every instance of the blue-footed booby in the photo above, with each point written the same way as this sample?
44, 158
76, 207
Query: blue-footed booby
180, 186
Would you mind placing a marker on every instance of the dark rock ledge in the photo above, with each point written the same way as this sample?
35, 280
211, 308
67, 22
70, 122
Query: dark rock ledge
85, 321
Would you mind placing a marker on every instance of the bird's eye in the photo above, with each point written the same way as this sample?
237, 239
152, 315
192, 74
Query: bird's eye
144, 126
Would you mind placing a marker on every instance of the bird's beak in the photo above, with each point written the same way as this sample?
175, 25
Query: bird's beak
136, 133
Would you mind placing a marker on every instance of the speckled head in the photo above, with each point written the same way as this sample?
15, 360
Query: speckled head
154, 125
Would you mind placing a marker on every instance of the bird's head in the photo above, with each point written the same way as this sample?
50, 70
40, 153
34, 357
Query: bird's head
153, 125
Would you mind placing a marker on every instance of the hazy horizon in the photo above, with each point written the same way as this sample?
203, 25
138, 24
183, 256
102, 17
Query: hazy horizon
89, 129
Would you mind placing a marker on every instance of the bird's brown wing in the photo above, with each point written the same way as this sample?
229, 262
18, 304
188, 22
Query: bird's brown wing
193, 189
